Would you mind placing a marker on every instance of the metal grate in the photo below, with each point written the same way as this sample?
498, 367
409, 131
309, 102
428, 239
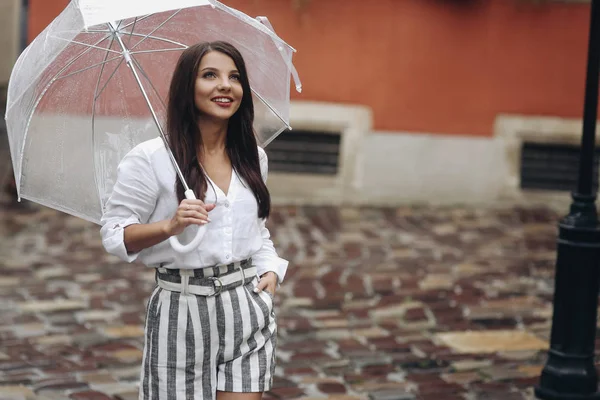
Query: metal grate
552, 167
305, 152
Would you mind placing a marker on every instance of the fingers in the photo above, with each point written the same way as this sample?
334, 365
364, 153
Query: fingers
270, 289
194, 214
265, 284
188, 208
197, 205
185, 222
194, 219
262, 284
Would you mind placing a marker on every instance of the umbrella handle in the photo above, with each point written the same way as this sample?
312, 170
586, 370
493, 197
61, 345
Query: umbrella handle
186, 248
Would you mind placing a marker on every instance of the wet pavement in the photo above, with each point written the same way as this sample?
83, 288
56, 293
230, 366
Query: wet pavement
381, 304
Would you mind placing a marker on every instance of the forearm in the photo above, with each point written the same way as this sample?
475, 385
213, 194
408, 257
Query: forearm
138, 237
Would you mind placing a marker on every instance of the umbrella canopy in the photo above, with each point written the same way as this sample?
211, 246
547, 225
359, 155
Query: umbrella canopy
75, 108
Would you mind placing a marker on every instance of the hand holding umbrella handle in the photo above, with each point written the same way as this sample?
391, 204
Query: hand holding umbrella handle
184, 249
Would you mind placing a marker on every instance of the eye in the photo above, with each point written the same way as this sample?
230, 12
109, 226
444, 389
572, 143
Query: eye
235, 77
209, 74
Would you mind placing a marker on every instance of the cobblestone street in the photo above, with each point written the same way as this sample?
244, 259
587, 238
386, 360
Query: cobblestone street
381, 304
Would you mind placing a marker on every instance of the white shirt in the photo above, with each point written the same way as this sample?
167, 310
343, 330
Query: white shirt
145, 192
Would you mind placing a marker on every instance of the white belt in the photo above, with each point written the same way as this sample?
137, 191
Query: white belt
239, 275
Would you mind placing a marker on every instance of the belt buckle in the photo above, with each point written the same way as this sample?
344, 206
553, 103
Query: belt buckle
218, 289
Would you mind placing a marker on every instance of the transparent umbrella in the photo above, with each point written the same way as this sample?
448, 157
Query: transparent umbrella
93, 85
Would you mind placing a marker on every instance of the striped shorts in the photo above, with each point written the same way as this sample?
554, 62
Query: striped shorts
196, 345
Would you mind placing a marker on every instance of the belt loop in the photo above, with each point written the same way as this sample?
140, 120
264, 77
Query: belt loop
185, 280
241, 268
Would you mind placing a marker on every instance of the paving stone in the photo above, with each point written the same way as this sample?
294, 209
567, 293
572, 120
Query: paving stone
491, 341
97, 378
332, 334
16, 393
391, 395
334, 397
128, 355
53, 340
287, 392
51, 306
89, 395
462, 378
131, 395
331, 388
373, 386
437, 281
501, 373
126, 373
125, 331
371, 332
469, 365
402, 314
89, 339
9, 281
59, 385
96, 315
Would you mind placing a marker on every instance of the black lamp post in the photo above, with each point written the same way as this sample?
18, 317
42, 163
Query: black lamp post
570, 372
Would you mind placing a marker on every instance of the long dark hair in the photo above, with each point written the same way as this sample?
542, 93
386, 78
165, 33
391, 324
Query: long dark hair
184, 135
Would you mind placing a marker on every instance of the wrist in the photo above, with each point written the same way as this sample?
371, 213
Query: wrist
166, 228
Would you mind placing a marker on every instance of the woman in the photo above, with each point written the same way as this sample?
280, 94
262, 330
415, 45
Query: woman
210, 326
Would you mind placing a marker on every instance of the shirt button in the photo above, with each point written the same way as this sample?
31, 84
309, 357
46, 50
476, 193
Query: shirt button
227, 204
228, 256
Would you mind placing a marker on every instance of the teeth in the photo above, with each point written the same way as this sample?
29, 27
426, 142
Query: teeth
222, 100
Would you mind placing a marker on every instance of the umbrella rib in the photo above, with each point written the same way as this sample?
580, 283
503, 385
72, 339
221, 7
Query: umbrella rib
132, 29
90, 46
86, 31
270, 108
149, 81
155, 29
157, 51
90, 67
139, 19
109, 78
183, 46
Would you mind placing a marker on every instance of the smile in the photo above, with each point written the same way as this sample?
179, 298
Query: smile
222, 100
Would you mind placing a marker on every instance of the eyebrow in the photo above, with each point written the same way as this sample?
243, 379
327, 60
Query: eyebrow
215, 69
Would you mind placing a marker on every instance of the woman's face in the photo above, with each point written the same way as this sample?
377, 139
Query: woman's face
218, 91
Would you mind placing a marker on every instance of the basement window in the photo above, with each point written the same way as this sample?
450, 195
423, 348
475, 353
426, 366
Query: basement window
305, 152
552, 167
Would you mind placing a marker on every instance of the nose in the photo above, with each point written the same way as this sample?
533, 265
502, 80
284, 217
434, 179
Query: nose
224, 85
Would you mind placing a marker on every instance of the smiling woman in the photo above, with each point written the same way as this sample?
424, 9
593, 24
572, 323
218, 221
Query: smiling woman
210, 327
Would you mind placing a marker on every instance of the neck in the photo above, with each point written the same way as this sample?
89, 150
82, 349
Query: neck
214, 135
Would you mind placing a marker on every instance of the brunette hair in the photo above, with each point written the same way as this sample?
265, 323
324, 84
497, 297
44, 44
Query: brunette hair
184, 135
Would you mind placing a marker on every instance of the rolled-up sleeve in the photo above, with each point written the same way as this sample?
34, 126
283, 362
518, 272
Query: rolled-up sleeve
132, 201
266, 259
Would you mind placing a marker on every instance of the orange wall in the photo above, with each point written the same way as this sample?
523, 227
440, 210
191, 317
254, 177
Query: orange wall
439, 66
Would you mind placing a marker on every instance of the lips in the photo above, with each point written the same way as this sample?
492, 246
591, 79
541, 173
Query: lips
222, 100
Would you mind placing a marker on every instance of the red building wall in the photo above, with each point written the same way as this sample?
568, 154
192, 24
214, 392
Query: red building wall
435, 66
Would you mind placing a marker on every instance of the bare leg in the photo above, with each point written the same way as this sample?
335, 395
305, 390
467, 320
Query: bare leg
238, 396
